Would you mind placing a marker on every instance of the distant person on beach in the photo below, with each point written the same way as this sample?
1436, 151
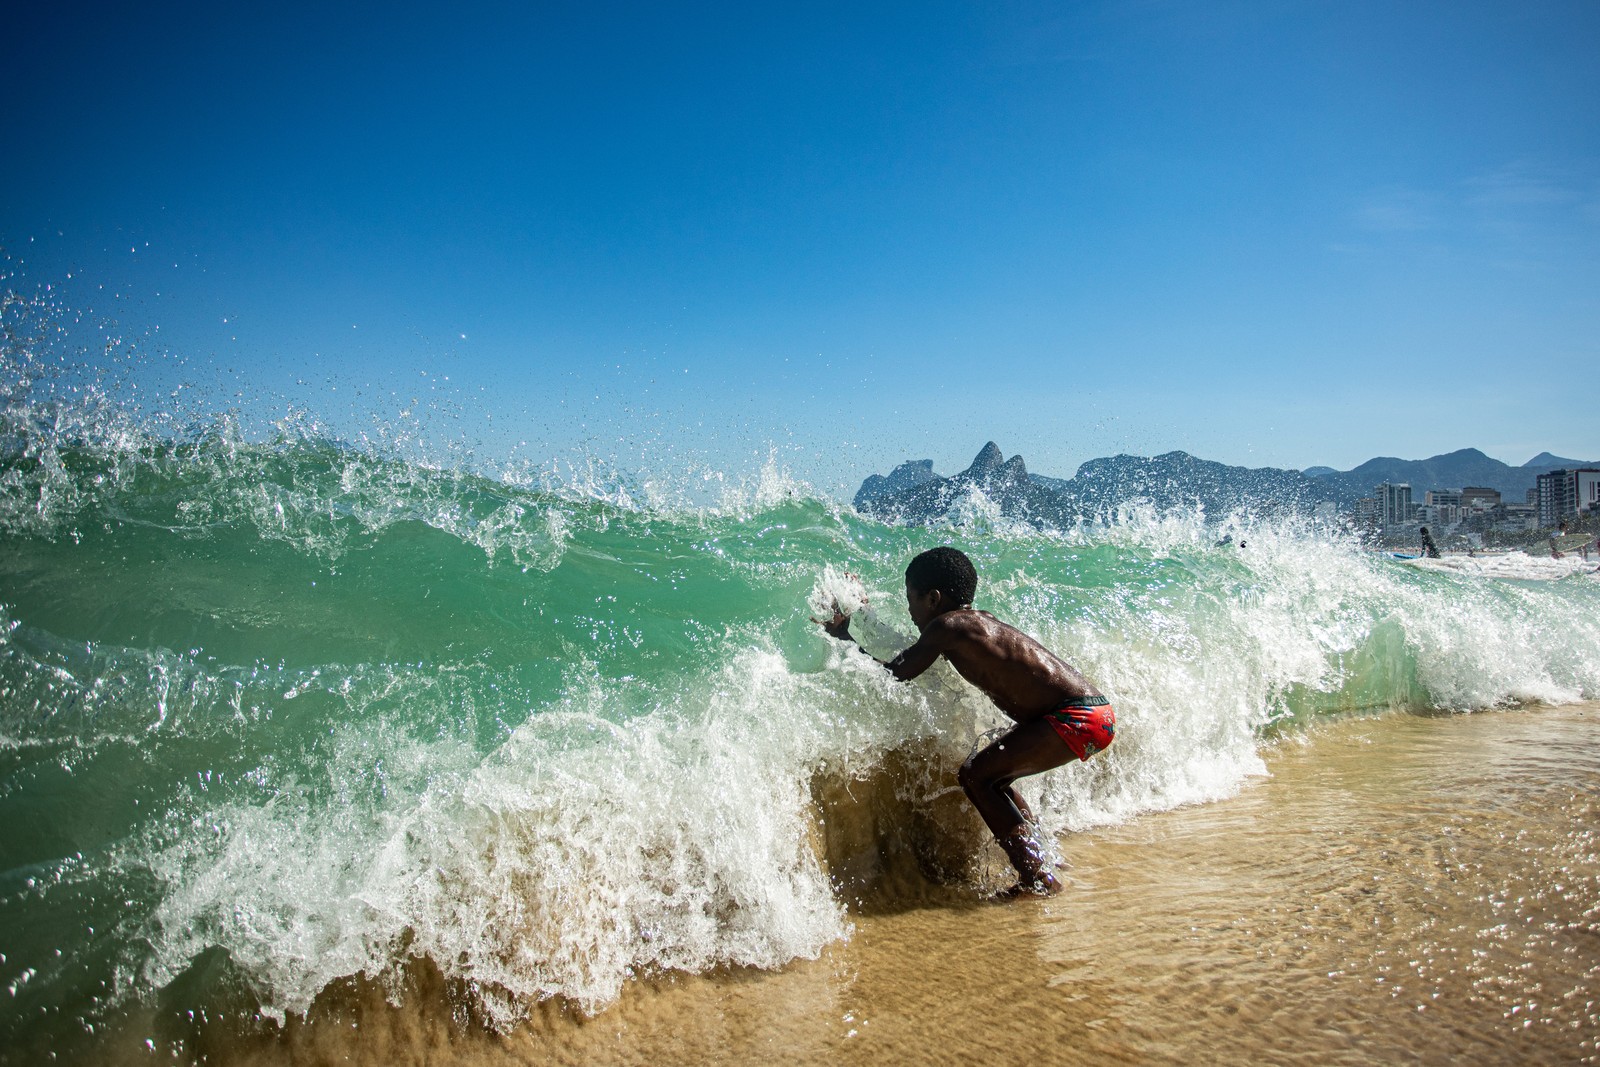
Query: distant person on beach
1429, 549
1555, 542
1060, 716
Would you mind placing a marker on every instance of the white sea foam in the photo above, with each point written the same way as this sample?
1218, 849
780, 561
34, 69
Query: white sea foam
1511, 565
579, 853
836, 591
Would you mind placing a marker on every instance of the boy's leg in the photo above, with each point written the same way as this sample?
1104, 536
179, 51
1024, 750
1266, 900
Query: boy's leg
1029, 748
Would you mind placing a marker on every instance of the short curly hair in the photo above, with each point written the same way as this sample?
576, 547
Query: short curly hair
947, 570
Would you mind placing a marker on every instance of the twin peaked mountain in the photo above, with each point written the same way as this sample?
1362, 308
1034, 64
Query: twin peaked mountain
913, 493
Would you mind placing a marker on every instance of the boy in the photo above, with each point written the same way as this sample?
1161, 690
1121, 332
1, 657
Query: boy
1059, 714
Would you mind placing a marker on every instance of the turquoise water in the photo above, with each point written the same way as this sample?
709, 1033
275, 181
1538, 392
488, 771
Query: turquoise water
273, 713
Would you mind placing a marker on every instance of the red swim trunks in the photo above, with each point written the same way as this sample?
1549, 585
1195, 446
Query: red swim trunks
1086, 724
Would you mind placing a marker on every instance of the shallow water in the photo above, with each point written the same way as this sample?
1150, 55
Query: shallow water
1403, 889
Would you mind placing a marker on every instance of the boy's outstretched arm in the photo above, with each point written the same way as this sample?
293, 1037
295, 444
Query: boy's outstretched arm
905, 666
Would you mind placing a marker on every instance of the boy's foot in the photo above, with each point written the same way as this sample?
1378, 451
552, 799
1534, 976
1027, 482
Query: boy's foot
1033, 874
1043, 886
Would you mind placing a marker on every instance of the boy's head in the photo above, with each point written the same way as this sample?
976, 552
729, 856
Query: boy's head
944, 570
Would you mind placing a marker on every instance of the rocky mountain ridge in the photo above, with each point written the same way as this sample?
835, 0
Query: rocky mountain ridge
914, 493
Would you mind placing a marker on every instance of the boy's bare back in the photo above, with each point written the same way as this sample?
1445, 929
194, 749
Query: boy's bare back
1020, 675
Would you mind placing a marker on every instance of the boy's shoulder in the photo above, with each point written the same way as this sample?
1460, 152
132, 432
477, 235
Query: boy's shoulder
966, 622
976, 632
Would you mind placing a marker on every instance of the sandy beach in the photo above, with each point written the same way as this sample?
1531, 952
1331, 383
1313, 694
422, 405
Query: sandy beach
1407, 888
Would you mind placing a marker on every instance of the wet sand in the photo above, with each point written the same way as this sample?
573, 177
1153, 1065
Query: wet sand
1403, 889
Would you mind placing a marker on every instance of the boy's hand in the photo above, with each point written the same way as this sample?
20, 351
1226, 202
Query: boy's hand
836, 627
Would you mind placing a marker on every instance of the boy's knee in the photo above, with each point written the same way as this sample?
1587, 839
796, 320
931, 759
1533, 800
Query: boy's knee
966, 776
969, 777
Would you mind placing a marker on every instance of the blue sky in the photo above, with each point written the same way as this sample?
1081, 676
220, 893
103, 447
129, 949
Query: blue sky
1267, 233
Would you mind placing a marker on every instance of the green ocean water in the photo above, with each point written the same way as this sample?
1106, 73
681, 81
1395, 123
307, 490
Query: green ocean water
274, 713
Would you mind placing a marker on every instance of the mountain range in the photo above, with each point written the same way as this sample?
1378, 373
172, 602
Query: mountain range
914, 493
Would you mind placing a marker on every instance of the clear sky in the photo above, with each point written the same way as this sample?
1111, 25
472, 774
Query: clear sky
1267, 233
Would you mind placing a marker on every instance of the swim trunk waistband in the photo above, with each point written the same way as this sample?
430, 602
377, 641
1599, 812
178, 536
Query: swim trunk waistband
1084, 702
